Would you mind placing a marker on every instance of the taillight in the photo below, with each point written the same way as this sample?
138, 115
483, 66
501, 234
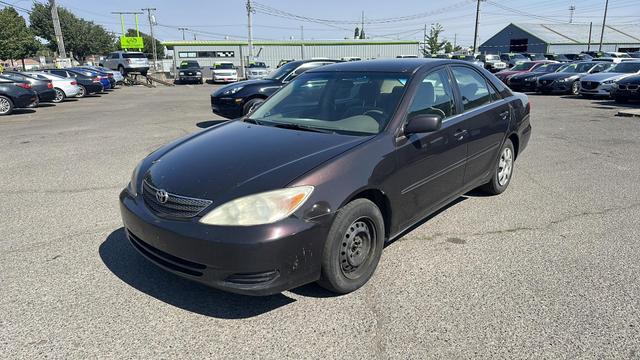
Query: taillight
24, 85
74, 83
49, 85
110, 75
96, 79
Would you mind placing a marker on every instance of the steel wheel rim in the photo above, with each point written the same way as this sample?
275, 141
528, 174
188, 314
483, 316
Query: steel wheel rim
505, 165
4, 105
59, 95
82, 91
357, 247
575, 88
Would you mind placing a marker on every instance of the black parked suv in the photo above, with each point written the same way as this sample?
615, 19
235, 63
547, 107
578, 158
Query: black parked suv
189, 72
88, 85
237, 99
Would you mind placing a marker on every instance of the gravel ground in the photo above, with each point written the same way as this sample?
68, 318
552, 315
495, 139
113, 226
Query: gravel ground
549, 269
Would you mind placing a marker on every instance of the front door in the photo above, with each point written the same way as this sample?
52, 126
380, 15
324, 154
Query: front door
430, 166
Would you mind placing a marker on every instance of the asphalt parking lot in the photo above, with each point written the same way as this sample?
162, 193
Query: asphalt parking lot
548, 269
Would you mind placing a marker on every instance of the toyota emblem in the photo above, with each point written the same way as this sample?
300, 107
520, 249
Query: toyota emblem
162, 196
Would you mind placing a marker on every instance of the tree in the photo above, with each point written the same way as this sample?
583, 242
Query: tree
81, 37
449, 48
362, 34
148, 48
432, 42
356, 34
16, 40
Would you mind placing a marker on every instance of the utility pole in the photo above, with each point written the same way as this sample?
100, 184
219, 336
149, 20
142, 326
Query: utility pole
604, 21
302, 32
362, 25
475, 33
183, 29
153, 39
589, 43
572, 8
57, 29
195, 37
455, 41
250, 11
424, 41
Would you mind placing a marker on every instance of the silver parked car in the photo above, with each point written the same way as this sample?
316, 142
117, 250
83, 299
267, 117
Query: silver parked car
127, 62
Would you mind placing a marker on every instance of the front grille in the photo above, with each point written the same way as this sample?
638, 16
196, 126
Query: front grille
589, 85
167, 260
253, 278
545, 82
173, 205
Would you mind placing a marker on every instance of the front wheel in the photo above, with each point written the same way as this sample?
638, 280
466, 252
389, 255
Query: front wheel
250, 105
60, 95
6, 105
502, 172
353, 247
575, 88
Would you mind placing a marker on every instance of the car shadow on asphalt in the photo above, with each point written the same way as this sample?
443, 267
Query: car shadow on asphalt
124, 262
46, 105
209, 123
22, 112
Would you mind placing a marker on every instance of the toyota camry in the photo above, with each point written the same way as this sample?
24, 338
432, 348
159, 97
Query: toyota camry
312, 183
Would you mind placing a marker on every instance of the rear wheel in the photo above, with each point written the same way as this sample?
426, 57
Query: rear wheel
6, 105
121, 70
83, 92
60, 95
503, 170
353, 247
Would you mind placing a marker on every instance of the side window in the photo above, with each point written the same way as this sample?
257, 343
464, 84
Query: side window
473, 87
304, 67
434, 96
59, 72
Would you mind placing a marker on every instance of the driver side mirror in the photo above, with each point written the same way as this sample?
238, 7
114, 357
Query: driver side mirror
422, 124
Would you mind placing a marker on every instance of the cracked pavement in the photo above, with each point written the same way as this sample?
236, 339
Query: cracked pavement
549, 269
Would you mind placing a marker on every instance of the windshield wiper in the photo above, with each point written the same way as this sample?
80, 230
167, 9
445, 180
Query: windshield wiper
303, 128
252, 121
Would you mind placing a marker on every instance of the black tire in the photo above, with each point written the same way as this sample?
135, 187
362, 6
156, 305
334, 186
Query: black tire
201, 82
353, 247
575, 88
498, 183
620, 100
144, 73
60, 96
6, 105
122, 70
247, 107
83, 91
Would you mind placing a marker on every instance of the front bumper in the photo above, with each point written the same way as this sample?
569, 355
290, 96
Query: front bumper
522, 85
554, 87
626, 94
225, 78
94, 88
600, 90
252, 260
188, 78
228, 107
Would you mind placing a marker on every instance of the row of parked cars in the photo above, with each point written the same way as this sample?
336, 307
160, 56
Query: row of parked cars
592, 78
499, 62
27, 89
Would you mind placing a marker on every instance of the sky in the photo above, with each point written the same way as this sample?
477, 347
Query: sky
336, 19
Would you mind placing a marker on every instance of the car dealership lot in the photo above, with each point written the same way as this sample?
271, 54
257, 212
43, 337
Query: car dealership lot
550, 268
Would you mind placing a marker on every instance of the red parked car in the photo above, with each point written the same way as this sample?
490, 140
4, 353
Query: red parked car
521, 68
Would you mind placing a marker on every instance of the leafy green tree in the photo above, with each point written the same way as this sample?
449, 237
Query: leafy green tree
356, 34
432, 41
81, 37
449, 48
148, 49
362, 34
16, 40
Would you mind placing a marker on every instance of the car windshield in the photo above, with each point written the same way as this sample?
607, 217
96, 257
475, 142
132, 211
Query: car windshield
576, 68
523, 66
518, 57
546, 68
284, 70
355, 103
189, 65
257, 65
133, 56
625, 67
224, 66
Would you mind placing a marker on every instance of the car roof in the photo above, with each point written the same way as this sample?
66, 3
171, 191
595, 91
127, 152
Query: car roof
406, 65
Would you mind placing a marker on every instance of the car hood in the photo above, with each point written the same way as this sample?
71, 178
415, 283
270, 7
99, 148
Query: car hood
599, 77
506, 73
237, 159
262, 83
557, 76
526, 75
635, 79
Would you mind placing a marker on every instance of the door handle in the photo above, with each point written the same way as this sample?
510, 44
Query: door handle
460, 134
504, 114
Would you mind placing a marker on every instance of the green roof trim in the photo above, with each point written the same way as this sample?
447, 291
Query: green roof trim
291, 43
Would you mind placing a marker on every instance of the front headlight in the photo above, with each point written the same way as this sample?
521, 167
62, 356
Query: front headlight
263, 208
233, 90
608, 82
199, 73
133, 183
181, 72
562, 80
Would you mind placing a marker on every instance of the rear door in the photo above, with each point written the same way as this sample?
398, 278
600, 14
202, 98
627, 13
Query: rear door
430, 166
485, 116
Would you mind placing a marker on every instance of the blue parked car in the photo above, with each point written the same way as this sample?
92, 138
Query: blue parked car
103, 77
